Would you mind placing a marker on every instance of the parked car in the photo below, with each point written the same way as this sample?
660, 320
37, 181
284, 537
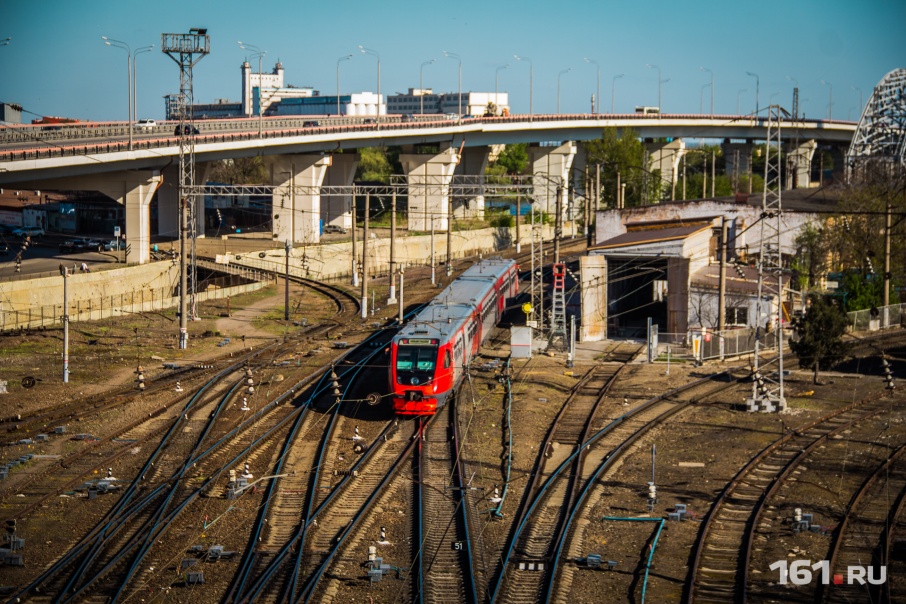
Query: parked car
188, 129
310, 123
407, 117
4, 248
145, 125
332, 228
29, 231
96, 244
75, 245
114, 245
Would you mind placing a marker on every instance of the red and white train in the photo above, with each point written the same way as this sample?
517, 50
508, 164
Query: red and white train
429, 354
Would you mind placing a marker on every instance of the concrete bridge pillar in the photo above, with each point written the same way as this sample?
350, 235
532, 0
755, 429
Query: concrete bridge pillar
799, 165
593, 273
472, 163
664, 158
337, 209
133, 189
737, 159
296, 208
550, 167
168, 202
429, 178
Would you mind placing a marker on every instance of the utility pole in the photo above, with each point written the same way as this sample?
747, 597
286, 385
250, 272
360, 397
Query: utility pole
355, 268
287, 247
402, 277
558, 224
713, 171
365, 259
186, 50
392, 297
722, 281
65, 272
449, 234
886, 299
518, 212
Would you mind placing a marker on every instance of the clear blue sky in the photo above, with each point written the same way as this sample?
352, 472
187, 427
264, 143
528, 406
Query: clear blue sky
57, 64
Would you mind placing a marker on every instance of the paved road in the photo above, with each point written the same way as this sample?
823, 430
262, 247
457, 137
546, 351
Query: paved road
44, 258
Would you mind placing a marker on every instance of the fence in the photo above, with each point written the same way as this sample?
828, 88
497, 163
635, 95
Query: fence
695, 345
884, 317
134, 302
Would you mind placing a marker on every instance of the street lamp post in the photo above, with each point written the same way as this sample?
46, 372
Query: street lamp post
530, 84
860, 98
137, 52
613, 90
598, 93
659, 82
260, 53
368, 51
124, 46
497, 84
6, 41
757, 85
341, 59
701, 99
453, 55
567, 70
421, 90
830, 107
712, 87
738, 94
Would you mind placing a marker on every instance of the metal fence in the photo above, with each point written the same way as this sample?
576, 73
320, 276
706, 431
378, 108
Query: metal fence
883, 317
703, 346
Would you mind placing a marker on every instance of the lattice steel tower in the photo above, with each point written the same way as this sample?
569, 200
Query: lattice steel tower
767, 393
186, 50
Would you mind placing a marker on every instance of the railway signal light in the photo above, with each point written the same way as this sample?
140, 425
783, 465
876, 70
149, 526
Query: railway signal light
335, 384
140, 377
888, 374
739, 271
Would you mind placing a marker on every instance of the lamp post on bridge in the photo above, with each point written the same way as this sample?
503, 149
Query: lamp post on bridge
137, 52
6, 41
497, 84
757, 84
712, 87
613, 90
738, 94
830, 107
598, 93
377, 55
124, 46
421, 90
530, 84
567, 70
340, 60
659, 82
701, 99
860, 98
260, 54
453, 55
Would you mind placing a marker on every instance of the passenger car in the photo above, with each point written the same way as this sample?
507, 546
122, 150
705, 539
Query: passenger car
29, 231
144, 125
188, 129
75, 245
332, 228
114, 245
310, 123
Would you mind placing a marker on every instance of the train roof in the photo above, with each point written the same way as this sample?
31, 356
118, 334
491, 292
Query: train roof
453, 306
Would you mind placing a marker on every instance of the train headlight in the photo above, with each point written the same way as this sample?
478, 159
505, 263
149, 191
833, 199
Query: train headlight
435, 388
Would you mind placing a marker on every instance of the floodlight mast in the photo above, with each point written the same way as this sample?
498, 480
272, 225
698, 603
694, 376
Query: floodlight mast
186, 50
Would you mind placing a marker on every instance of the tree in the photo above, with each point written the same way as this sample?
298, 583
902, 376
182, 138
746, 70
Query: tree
819, 334
623, 153
514, 158
810, 261
240, 171
376, 164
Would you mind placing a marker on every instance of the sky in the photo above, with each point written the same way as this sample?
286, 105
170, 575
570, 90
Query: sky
57, 64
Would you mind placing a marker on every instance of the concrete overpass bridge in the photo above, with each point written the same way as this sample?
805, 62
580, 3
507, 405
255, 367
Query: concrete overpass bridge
306, 155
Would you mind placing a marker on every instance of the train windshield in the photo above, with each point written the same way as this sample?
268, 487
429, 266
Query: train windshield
415, 364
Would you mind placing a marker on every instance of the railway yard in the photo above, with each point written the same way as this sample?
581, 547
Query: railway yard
265, 464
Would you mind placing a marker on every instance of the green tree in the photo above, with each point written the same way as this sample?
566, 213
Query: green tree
376, 164
810, 261
240, 171
818, 335
514, 159
622, 152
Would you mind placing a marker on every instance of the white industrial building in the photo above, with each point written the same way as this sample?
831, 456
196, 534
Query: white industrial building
418, 100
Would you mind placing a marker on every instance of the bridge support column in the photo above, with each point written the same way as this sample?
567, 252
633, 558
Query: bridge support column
429, 178
799, 165
554, 163
664, 158
296, 211
473, 162
168, 202
133, 189
593, 273
337, 209
738, 162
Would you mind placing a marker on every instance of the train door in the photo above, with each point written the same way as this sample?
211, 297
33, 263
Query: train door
459, 359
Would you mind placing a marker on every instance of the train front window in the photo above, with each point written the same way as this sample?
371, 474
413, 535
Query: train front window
415, 364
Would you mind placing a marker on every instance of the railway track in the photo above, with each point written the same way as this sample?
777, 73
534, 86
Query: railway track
724, 549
